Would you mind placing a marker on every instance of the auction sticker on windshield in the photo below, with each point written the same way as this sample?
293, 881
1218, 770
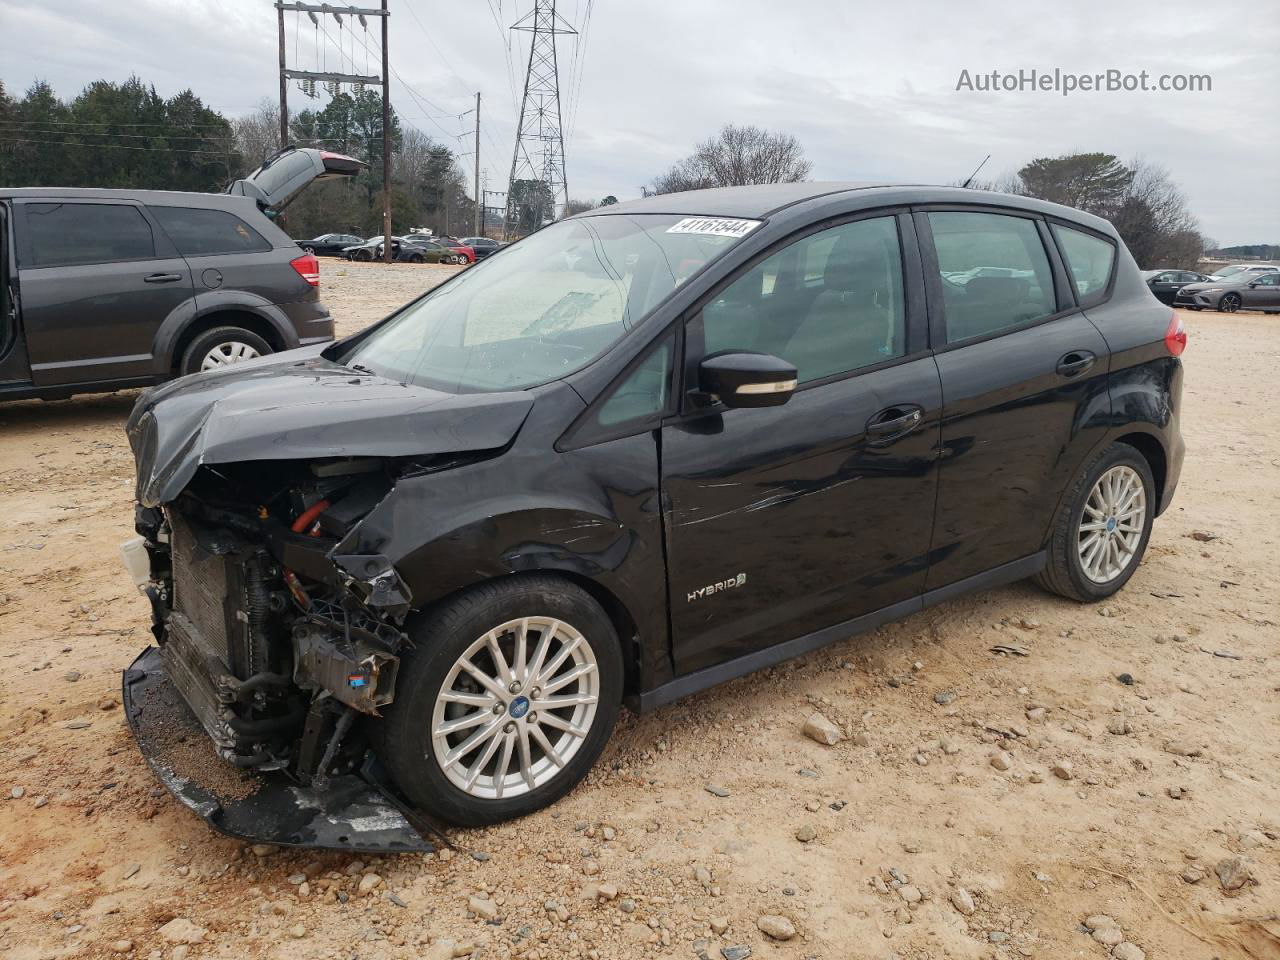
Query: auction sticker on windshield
715, 226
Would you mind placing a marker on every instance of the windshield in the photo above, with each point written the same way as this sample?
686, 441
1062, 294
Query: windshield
1229, 272
549, 305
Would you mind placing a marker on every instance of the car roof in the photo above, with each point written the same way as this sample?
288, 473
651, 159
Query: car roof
161, 197
760, 201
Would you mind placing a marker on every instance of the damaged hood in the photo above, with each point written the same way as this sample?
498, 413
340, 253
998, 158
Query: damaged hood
286, 408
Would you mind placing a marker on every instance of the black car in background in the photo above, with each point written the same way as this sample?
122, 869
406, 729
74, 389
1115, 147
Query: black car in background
1165, 284
650, 448
330, 244
483, 246
104, 289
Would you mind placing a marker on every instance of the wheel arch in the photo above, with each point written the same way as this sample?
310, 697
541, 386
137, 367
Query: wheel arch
619, 614
1152, 450
189, 321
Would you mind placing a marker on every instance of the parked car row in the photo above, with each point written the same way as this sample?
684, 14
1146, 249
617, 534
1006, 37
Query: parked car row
1238, 287
411, 248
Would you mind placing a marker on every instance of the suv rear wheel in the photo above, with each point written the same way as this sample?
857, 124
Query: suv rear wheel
1101, 532
505, 702
220, 347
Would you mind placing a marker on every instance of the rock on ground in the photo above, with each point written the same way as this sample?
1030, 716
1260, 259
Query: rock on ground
181, 930
819, 728
776, 926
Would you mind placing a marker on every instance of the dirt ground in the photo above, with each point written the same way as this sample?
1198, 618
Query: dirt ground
903, 840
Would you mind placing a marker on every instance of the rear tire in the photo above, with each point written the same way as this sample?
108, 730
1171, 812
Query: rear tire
501, 710
221, 347
1098, 541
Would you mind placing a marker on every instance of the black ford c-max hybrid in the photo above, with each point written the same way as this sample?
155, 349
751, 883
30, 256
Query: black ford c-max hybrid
643, 451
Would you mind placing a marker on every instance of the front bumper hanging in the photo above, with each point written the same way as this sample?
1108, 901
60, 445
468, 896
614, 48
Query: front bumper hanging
348, 814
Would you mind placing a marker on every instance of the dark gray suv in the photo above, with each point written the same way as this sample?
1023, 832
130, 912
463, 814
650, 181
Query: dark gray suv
105, 289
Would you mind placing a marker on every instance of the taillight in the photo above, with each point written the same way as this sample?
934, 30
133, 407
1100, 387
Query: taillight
1175, 338
308, 268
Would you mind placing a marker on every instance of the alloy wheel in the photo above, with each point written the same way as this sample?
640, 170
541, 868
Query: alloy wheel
515, 707
1229, 304
1112, 524
227, 353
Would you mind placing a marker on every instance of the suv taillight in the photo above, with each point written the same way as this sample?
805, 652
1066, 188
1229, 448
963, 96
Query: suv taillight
1175, 338
308, 268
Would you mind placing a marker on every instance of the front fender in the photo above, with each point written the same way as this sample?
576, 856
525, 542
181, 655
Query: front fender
593, 514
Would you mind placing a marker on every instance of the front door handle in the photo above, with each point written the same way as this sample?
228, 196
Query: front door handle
894, 422
1076, 362
162, 278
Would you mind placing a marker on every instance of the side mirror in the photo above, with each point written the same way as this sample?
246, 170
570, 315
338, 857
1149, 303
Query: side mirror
747, 379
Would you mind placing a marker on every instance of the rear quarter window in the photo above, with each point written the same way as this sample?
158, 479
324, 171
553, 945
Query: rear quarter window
201, 233
1090, 260
65, 234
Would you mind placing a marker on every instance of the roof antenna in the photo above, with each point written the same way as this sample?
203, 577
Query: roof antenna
975, 172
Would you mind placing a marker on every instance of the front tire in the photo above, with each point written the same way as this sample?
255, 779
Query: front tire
505, 702
1230, 303
1101, 531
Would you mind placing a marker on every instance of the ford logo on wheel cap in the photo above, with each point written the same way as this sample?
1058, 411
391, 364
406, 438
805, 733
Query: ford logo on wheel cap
519, 707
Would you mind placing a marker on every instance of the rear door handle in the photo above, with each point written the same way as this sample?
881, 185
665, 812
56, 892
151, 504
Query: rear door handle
1076, 362
894, 422
162, 278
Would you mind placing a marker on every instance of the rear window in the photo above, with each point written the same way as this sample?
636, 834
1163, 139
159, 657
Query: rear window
201, 233
1089, 260
63, 234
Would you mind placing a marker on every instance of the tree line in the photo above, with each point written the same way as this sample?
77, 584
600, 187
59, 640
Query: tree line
1146, 206
126, 135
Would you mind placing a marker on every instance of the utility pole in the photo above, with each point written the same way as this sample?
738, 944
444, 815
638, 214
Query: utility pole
539, 150
284, 84
386, 141
314, 11
479, 193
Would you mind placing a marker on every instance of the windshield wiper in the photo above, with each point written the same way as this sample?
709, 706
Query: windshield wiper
361, 368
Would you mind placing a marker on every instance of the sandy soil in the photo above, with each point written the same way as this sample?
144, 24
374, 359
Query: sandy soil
642, 860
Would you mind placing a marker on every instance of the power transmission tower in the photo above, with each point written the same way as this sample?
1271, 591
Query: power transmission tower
309, 77
539, 151
479, 205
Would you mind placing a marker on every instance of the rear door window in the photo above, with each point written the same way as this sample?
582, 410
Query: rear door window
1089, 261
64, 234
995, 273
201, 233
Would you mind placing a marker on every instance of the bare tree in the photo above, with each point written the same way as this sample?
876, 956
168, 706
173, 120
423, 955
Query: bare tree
257, 134
578, 206
736, 156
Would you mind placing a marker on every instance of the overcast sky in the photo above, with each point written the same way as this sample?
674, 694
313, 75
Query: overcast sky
868, 88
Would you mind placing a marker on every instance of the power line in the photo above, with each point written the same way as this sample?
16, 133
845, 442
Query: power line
108, 146
122, 123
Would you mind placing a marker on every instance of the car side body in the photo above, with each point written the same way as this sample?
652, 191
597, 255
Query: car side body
330, 244
1165, 284
926, 448
482, 246
105, 289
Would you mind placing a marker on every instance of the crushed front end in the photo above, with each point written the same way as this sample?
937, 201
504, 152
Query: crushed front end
274, 648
